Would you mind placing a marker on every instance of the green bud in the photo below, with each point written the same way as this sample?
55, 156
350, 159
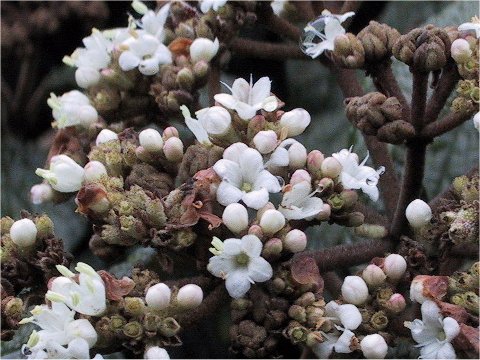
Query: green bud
5, 224
335, 202
379, 320
134, 306
117, 322
133, 330
306, 299
151, 321
14, 308
298, 313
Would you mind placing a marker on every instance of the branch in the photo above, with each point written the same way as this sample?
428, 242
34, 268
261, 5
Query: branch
275, 23
419, 98
444, 125
305, 9
213, 82
266, 50
333, 283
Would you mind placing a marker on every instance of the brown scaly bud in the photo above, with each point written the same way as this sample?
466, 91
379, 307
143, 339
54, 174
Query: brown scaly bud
396, 132
377, 41
134, 306
92, 200
198, 157
424, 49
298, 313
247, 338
149, 178
349, 51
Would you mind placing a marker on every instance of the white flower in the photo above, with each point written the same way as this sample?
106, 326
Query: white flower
474, 25
215, 121
158, 296
354, 290
238, 261
156, 352
206, 5
418, 213
476, 121
247, 99
190, 296
296, 121
86, 297
64, 175
434, 333
235, 218
23, 233
41, 193
374, 347
244, 177
72, 109
358, 176
203, 49
104, 136
299, 202
145, 52
153, 23
281, 156
314, 47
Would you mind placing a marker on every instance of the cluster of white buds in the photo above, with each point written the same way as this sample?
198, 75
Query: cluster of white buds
159, 297
152, 143
391, 268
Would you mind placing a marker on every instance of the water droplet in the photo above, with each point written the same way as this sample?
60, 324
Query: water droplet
381, 170
314, 32
371, 181
281, 181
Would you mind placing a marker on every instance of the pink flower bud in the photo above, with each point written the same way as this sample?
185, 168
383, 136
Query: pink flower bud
460, 51
41, 193
272, 248
272, 221
314, 161
170, 132
297, 156
295, 241
256, 230
331, 167
94, 170
173, 149
235, 217
300, 175
396, 303
158, 296
190, 296
151, 140
23, 233
354, 290
394, 266
373, 275
265, 141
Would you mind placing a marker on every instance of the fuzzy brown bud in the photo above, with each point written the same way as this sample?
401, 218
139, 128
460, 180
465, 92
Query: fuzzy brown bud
349, 51
377, 41
396, 132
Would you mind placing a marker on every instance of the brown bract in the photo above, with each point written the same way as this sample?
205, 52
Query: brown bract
116, 289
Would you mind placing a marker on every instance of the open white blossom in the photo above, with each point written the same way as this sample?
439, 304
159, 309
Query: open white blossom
247, 98
244, 177
64, 175
145, 52
206, 5
87, 296
72, 109
434, 333
238, 261
358, 176
474, 25
330, 27
299, 202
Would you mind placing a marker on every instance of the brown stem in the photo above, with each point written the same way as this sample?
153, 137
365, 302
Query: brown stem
444, 125
213, 82
266, 50
333, 283
305, 9
419, 98
275, 23
469, 251
372, 216
22, 82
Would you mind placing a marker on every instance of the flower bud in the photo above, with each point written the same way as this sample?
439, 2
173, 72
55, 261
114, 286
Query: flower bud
41, 193
354, 290
418, 213
272, 248
373, 275
185, 78
86, 76
349, 316
158, 296
23, 233
349, 198
134, 306
170, 132
235, 217
298, 313
64, 175
200, 69
296, 121
156, 352
314, 162
374, 347
325, 213
94, 170
460, 51
151, 140
190, 296
265, 141
300, 175
295, 241
476, 121
173, 149
394, 266
272, 221
297, 156
396, 303
203, 49
216, 120
331, 167
104, 136
169, 327
256, 230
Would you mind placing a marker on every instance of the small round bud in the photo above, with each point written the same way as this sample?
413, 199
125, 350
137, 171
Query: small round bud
295, 241
314, 161
86, 76
235, 217
396, 303
373, 275
272, 248
296, 121
300, 175
325, 213
216, 120
173, 149
272, 221
151, 140
460, 51
158, 296
104, 136
418, 213
94, 170
374, 347
349, 316
23, 233
354, 290
203, 49
297, 156
200, 69
331, 167
190, 296
265, 141
170, 132
256, 230
41, 193
156, 352
394, 266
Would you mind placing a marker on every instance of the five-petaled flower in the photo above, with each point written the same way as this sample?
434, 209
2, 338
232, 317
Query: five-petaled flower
299, 202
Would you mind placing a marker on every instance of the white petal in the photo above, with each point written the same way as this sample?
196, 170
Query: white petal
345, 16
256, 199
241, 90
246, 111
235, 151
270, 103
431, 313
149, 67
251, 245
228, 194
446, 352
78, 349
251, 164
237, 283
226, 100
260, 91
128, 60
332, 30
324, 349
197, 129
421, 333
229, 171
349, 316
259, 270
371, 191
279, 157
267, 181
343, 343
87, 76
163, 55
450, 328
232, 247
220, 266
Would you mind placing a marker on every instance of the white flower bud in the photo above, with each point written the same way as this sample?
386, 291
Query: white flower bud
64, 175
72, 109
373, 275
354, 290
23, 233
190, 296
87, 76
476, 121
158, 296
156, 352
265, 141
460, 51
82, 328
94, 170
151, 140
173, 149
272, 221
331, 167
41, 193
374, 347
297, 156
394, 266
300, 175
203, 49
416, 289
295, 241
296, 121
418, 213
349, 316
216, 120
104, 136
235, 217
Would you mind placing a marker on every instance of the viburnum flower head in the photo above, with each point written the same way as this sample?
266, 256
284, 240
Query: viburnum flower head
206, 5
358, 176
299, 202
247, 98
238, 261
434, 333
474, 25
72, 109
64, 175
244, 177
